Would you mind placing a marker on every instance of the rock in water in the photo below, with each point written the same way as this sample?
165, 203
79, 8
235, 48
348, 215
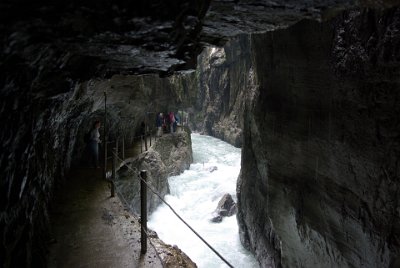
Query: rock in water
226, 207
213, 168
216, 218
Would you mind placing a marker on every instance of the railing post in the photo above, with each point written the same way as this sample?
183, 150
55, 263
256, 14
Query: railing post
143, 211
114, 170
150, 138
116, 145
145, 141
105, 136
123, 147
182, 121
141, 143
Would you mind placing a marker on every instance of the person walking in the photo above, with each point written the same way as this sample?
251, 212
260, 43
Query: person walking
159, 123
171, 121
93, 144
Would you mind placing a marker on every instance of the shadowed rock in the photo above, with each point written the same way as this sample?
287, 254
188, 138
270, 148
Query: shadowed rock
170, 155
212, 169
226, 208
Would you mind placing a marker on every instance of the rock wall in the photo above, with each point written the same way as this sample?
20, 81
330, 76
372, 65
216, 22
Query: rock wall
223, 74
42, 138
56, 59
131, 100
170, 155
320, 181
37, 142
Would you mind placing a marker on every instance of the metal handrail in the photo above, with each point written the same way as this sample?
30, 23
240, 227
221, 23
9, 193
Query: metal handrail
144, 212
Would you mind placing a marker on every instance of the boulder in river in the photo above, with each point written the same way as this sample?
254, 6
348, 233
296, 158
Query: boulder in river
226, 207
212, 168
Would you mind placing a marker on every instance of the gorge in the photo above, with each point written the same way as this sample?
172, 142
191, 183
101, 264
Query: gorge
308, 89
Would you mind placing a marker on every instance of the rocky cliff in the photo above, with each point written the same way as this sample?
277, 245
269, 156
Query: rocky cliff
56, 60
319, 182
223, 78
170, 155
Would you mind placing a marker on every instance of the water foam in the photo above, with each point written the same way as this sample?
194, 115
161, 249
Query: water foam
195, 195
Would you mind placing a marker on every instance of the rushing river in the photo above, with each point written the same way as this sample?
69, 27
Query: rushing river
195, 195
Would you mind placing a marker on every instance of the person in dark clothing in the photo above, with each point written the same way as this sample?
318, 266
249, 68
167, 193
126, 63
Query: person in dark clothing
171, 121
175, 124
93, 144
159, 123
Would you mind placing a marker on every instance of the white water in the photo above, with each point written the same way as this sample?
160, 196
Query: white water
194, 196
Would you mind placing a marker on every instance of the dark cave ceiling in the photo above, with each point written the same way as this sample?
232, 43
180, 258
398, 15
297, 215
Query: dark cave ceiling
102, 38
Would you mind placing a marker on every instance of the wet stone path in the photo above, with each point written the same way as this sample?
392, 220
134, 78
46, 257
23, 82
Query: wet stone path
91, 229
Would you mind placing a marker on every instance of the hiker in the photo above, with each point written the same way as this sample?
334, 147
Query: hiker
159, 123
93, 143
175, 124
165, 122
178, 119
171, 121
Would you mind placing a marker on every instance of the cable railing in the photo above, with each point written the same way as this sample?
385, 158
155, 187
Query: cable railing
139, 220
143, 200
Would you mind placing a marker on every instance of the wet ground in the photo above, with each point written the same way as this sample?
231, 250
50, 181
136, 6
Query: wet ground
92, 229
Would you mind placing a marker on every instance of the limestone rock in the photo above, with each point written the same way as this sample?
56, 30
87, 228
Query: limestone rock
175, 151
320, 146
128, 180
216, 218
212, 168
171, 154
226, 207
171, 256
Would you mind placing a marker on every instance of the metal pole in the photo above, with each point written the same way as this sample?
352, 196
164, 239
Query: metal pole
105, 136
116, 145
143, 211
155, 136
114, 170
123, 147
150, 137
182, 120
145, 131
145, 142
141, 143
150, 130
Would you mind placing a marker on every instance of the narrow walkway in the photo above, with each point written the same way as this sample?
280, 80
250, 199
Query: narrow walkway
90, 229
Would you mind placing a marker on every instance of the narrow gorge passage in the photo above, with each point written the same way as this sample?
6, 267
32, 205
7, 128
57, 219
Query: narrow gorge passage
310, 90
195, 195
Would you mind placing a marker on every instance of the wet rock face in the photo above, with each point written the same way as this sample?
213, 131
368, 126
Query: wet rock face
320, 181
170, 155
175, 151
55, 62
86, 38
226, 207
171, 256
37, 140
223, 79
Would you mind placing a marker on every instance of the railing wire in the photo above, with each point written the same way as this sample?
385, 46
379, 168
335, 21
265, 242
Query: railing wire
137, 218
179, 217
